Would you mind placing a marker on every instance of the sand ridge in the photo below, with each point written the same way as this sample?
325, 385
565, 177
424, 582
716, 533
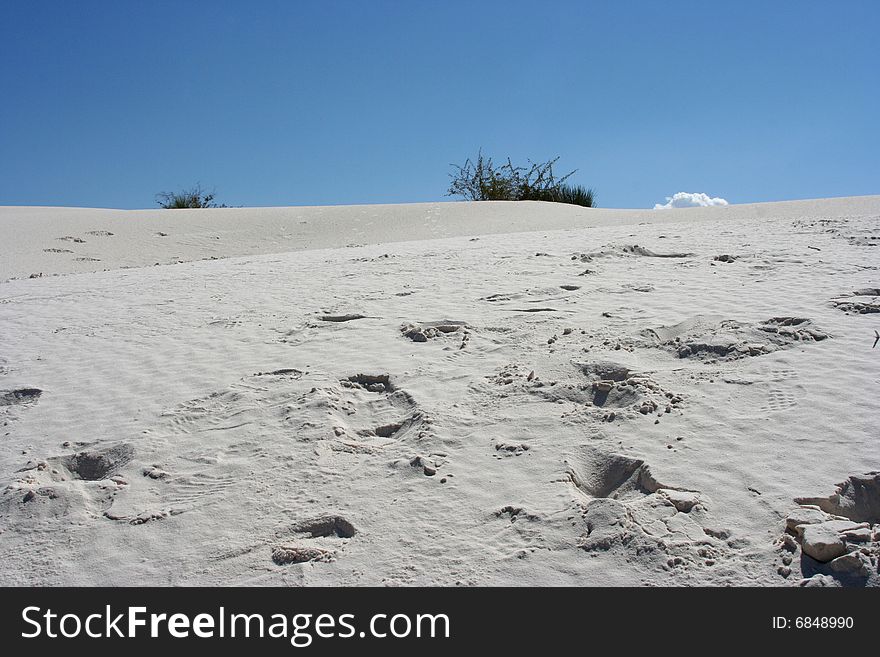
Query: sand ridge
51, 241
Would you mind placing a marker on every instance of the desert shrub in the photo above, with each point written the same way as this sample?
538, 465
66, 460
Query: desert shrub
574, 194
481, 179
195, 197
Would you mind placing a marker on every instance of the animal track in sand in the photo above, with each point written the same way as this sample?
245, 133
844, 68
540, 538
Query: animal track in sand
712, 339
71, 238
624, 508
99, 233
57, 251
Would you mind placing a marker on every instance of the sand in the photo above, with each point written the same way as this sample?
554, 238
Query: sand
441, 394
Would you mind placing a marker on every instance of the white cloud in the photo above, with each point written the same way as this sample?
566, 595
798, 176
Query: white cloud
689, 200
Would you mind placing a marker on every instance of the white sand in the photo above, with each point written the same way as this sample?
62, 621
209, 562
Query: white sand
219, 435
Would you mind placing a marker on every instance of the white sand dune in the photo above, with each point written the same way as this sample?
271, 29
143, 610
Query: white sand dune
441, 394
75, 240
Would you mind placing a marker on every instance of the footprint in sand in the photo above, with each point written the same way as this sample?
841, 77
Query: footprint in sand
518, 532
603, 389
779, 400
432, 330
80, 485
370, 412
158, 494
625, 508
14, 402
97, 463
19, 396
713, 339
349, 317
861, 302
317, 539
635, 249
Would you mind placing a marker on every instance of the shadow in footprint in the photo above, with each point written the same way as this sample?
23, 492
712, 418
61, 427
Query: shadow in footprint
20, 396
94, 465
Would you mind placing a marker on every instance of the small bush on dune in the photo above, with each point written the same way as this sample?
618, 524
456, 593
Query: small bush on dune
481, 180
576, 195
190, 198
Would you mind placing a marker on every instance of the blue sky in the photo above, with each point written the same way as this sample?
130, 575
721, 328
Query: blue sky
104, 104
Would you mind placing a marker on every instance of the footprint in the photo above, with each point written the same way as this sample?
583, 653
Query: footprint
19, 396
342, 318
80, 485
373, 408
431, 330
635, 249
861, 302
158, 495
317, 539
625, 508
779, 400
325, 526
99, 463
712, 339
782, 375
597, 474
285, 371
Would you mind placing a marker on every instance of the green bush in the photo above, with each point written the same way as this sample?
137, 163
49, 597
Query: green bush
481, 180
189, 198
576, 195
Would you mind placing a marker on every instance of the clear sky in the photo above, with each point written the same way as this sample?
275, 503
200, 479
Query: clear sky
106, 103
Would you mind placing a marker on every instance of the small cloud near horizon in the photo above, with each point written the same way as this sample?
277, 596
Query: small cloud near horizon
689, 200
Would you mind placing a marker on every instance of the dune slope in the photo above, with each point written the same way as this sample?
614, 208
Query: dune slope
470, 394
